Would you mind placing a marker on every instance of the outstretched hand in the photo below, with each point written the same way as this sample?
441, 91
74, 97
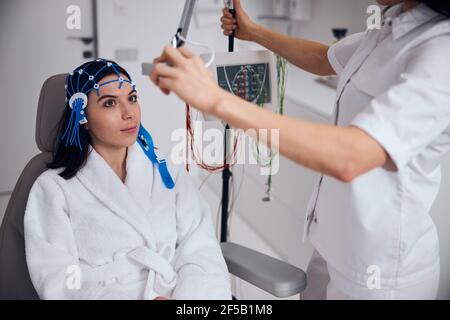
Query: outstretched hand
184, 73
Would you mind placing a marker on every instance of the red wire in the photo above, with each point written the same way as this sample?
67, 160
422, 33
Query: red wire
192, 146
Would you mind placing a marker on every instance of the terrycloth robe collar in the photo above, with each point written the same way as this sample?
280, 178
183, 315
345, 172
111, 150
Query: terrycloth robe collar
128, 200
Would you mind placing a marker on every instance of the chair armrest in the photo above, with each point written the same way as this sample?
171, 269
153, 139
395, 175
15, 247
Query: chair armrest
269, 274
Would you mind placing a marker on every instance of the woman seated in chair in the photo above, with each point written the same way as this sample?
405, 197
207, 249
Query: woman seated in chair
111, 219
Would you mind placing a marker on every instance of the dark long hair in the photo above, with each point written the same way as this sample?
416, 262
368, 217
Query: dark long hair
71, 158
441, 6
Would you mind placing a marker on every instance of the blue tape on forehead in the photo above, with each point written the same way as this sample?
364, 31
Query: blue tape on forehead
91, 82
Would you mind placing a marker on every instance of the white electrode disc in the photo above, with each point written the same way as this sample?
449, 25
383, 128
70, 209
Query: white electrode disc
79, 95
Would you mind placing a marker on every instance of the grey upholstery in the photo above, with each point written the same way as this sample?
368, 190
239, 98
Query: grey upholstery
269, 274
50, 109
15, 281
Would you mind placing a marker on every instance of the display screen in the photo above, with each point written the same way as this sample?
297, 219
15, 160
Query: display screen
250, 82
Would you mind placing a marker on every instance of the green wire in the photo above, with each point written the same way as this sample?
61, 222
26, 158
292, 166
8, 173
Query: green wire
281, 82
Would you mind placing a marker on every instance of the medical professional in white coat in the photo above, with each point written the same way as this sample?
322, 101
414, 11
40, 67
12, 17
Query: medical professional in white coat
105, 222
368, 218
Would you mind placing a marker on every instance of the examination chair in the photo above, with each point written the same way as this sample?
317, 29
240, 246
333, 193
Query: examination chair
271, 275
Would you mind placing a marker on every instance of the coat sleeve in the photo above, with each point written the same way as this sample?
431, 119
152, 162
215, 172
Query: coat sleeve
414, 114
340, 53
50, 247
199, 263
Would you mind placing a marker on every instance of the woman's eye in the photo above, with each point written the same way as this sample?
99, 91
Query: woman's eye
133, 98
110, 103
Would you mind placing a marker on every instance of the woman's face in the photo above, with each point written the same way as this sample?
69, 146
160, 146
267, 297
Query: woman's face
114, 116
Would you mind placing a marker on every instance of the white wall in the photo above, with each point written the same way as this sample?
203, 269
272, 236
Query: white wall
147, 27
441, 216
326, 15
34, 46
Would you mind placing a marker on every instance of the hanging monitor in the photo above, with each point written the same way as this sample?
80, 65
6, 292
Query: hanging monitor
250, 75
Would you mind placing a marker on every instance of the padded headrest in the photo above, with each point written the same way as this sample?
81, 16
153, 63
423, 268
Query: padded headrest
50, 110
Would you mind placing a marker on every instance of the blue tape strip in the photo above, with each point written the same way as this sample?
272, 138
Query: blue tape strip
146, 142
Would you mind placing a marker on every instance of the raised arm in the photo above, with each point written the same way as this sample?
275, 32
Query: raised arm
308, 55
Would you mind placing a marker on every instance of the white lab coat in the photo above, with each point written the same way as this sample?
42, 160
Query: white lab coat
394, 85
132, 240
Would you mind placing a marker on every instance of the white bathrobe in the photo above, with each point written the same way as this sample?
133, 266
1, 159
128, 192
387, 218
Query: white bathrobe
95, 237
